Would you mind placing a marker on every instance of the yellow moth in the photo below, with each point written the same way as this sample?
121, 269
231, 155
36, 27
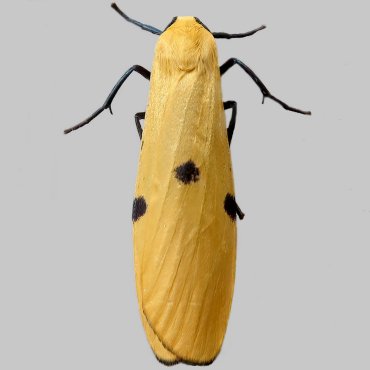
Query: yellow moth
184, 211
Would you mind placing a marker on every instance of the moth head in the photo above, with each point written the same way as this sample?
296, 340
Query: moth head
187, 43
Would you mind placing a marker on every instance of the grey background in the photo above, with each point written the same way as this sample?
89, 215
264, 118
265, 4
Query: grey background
67, 288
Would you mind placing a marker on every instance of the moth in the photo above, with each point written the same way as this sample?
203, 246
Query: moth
184, 211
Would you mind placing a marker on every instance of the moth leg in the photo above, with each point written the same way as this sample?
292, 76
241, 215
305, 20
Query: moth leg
265, 92
138, 117
239, 212
230, 130
108, 102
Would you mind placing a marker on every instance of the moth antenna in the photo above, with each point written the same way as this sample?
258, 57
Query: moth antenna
224, 35
143, 26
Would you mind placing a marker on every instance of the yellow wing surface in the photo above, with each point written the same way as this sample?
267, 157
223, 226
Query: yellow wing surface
183, 213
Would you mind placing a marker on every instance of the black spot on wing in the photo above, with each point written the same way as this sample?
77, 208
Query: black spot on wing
230, 206
188, 172
138, 208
